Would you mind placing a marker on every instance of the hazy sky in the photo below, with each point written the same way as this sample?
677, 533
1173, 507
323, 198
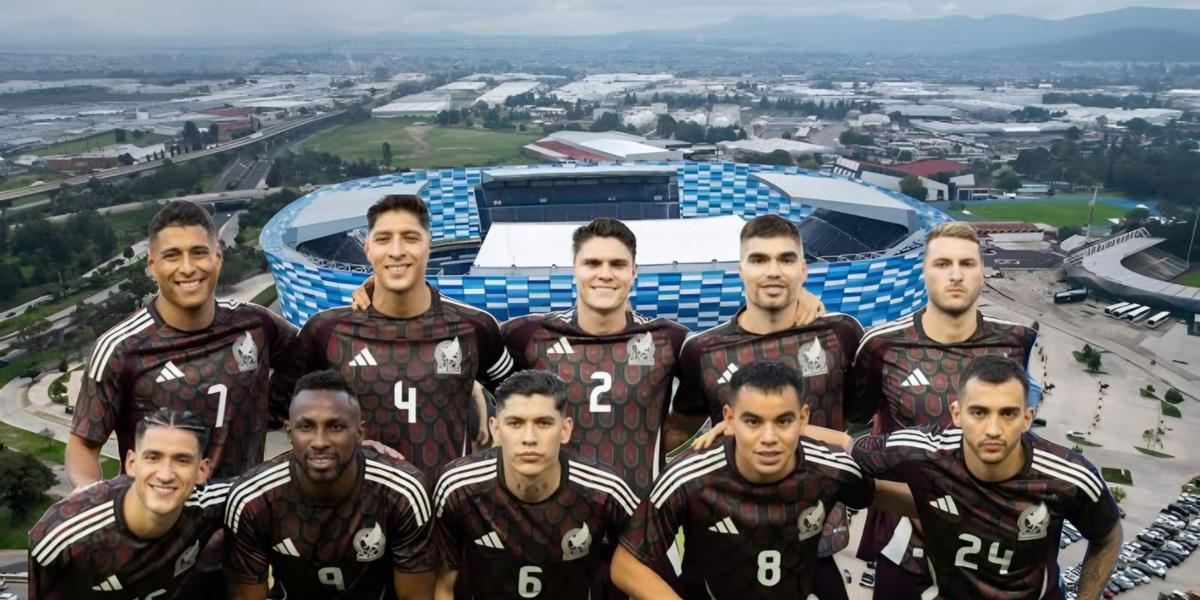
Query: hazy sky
115, 19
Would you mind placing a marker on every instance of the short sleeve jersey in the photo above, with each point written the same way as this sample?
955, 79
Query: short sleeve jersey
222, 372
744, 540
823, 351
992, 540
413, 377
323, 551
907, 379
503, 547
619, 385
82, 547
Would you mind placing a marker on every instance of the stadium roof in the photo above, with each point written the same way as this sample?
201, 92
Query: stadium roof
702, 240
346, 209
767, 146
1107, 264
548, 172
843, 196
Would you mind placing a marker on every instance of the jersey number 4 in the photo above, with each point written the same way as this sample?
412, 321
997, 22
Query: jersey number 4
405, 400
996, 555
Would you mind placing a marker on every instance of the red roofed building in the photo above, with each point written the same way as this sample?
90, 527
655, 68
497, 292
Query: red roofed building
943, 179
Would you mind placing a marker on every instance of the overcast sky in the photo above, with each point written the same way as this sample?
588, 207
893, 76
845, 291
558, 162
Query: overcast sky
73, 19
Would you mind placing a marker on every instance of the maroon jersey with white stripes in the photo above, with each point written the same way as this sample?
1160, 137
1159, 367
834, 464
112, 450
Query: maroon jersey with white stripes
744, 540
82, 547
992, 540
346, 550
905, 379
619, 385
503, 547
413, 377
222, 371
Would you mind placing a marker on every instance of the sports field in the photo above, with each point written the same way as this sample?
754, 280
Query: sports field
99, 140
420, 146
1055, 213
1189, 279
363, 139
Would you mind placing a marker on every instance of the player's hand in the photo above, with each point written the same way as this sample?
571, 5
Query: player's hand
383, 449
808, 307
361, 298
710, 437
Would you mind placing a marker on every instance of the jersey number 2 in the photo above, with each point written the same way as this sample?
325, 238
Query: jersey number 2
594, 403
996, 556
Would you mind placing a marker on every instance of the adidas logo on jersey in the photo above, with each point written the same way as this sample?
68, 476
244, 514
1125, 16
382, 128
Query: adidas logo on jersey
728, 374
112, 584
562, 346
491, 540
363, 359
915, 379
286, 548
945, 504
725, 526
169, 372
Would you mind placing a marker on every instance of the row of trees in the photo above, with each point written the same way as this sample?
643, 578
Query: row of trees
1103, 100
833, 110
310, 166
40, 252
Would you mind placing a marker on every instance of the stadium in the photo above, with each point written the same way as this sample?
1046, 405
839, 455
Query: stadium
501, 236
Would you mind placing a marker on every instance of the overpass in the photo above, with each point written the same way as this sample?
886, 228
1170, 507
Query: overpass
7, 197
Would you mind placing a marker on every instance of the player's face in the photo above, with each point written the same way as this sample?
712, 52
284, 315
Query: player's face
992, 417
530, 432
953, 274
325, 428
398, 249
165, 466
766, 426
604, 273
772, 271
185, 262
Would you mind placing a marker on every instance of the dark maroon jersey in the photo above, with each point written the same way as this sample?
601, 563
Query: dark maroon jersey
82, 548
744, 540
503, 547
906, 379
619, 385
222, 372
346, 550
823, 351
413, 377
992, 540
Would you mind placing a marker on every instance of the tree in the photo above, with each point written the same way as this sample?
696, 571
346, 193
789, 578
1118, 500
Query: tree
386, 150
1008, 181
607, 122
1118, 493
127, 252
1093, 363
688, 131
911, 186
120, 135
31, 337
23, 481
665, 127
191, 136
1173, 396
776, 157
904, 156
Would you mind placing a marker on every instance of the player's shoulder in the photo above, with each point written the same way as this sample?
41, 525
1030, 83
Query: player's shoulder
689, 470
1004, 326
841, 321
397, 478
660, 323
211, 494
466, 476
594, 477
529, 322
466, 311
261, 478
129, 332
92, 509
930, 438
892, 330
1060, 463
828, 460
697, 341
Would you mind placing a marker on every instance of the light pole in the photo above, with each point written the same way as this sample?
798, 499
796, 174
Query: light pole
1193, 241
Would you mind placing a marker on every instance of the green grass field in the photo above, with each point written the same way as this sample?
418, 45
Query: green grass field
362, 139
1189, 279
455, 147
1055, 213
99, 140
15, 536
20, 181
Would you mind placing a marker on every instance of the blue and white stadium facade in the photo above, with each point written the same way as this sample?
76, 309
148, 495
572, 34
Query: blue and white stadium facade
864, 243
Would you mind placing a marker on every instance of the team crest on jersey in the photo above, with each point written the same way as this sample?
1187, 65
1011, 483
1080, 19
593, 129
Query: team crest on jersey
368, 543
449, 357
246, 354
576, 543
812, 359
1033, 522
640, 349
187, 559
811, 521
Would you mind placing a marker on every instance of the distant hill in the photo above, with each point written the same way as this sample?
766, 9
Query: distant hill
1138, 44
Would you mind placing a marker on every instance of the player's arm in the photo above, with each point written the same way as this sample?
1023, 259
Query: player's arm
413, 586
689, 407
1098, 562
97, 408
445, 584
298, 361
482, 435
895, 497
360, 299
864, 385
1093, 511
637, 579
248, 591
808, 307
246, 562
82, 460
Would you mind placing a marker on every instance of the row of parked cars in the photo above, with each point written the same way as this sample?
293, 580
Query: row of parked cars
1162, 545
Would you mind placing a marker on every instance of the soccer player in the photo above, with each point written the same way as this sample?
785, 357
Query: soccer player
992, 496
906, 374
752, 507
527, 519
184, 351
414, 356
618, 365
332, 519
139, 535
773, 271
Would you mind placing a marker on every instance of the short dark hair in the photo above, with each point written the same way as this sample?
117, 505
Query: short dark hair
770, 226
768, 376
182, 213
530, 382
604, 227
186, 420
324, 380
994, 369
409, 203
